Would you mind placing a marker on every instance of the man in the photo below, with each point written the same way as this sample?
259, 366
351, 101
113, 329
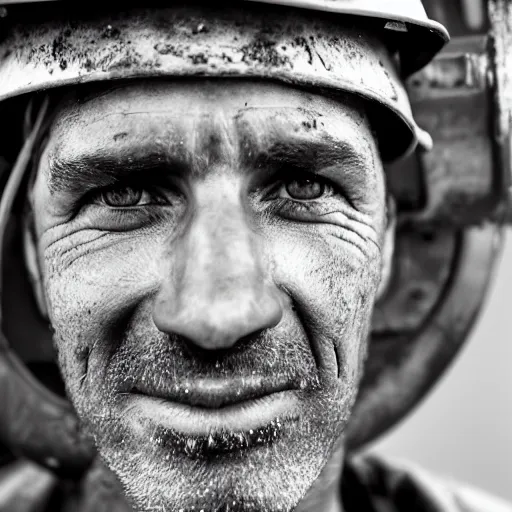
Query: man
206, 229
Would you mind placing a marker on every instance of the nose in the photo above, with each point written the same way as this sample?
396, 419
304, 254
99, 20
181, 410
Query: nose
217, 289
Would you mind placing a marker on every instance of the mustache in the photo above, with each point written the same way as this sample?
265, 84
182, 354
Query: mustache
152, 359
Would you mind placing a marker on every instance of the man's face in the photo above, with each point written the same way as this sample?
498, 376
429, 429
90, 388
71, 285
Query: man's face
210, 253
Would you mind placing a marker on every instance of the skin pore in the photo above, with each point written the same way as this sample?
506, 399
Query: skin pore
210, 253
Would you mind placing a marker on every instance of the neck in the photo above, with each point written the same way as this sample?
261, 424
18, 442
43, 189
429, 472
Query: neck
325, 494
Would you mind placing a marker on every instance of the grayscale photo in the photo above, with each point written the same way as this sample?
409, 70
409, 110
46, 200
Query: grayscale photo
255, 256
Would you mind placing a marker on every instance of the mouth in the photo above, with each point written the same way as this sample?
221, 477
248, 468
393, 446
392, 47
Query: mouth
211, 416
215, 393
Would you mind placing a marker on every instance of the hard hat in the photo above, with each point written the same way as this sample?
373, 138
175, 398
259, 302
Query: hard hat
70, 46
421, 38
44, 48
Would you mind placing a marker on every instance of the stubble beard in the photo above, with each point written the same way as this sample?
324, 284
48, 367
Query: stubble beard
161, 471
272, 477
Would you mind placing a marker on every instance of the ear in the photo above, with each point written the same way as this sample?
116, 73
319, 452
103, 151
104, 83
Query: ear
388, 247
32, 264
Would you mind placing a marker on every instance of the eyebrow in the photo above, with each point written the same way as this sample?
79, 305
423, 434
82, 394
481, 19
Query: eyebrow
309, 155
96, 170
100, 170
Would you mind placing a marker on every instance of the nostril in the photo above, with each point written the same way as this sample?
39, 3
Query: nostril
196, 351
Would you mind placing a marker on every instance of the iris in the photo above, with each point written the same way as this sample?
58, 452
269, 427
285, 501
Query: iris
305, 189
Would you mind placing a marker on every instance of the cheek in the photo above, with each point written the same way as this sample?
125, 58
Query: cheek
93, 288
333, 284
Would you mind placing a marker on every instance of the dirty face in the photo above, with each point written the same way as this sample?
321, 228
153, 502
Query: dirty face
210, 253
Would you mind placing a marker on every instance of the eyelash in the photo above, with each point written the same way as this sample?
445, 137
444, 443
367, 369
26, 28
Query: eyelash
288, 176
95, 196
125, 218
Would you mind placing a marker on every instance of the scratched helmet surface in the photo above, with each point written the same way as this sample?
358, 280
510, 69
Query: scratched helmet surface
422, 37
409, 12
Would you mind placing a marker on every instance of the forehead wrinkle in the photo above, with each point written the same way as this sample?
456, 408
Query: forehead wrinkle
225, 138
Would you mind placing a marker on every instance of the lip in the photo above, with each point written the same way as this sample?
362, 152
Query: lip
205, 407
241, 418
216, 393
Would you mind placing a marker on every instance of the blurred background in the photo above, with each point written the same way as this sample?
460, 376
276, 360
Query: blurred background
464, 427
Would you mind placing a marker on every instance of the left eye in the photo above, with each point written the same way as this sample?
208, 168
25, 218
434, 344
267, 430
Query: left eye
123, 197
304, 189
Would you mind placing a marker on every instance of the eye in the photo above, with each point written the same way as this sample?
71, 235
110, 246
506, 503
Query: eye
123, 197
304, 189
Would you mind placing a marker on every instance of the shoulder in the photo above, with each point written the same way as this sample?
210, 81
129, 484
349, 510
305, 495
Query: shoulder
405, 483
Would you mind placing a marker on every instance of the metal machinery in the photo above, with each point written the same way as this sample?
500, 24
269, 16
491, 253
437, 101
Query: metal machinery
452, 203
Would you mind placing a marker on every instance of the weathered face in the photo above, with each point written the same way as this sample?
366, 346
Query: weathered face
210, 253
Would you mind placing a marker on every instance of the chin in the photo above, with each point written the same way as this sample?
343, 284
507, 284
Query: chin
158, 473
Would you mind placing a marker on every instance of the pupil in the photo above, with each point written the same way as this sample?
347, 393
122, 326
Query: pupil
126, 196
305, 189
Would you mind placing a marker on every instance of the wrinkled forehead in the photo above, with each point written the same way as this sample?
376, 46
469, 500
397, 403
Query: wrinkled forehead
189, 115
203, 97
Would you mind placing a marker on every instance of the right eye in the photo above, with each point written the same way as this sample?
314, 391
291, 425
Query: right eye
304, 189
125, 196
122, 197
